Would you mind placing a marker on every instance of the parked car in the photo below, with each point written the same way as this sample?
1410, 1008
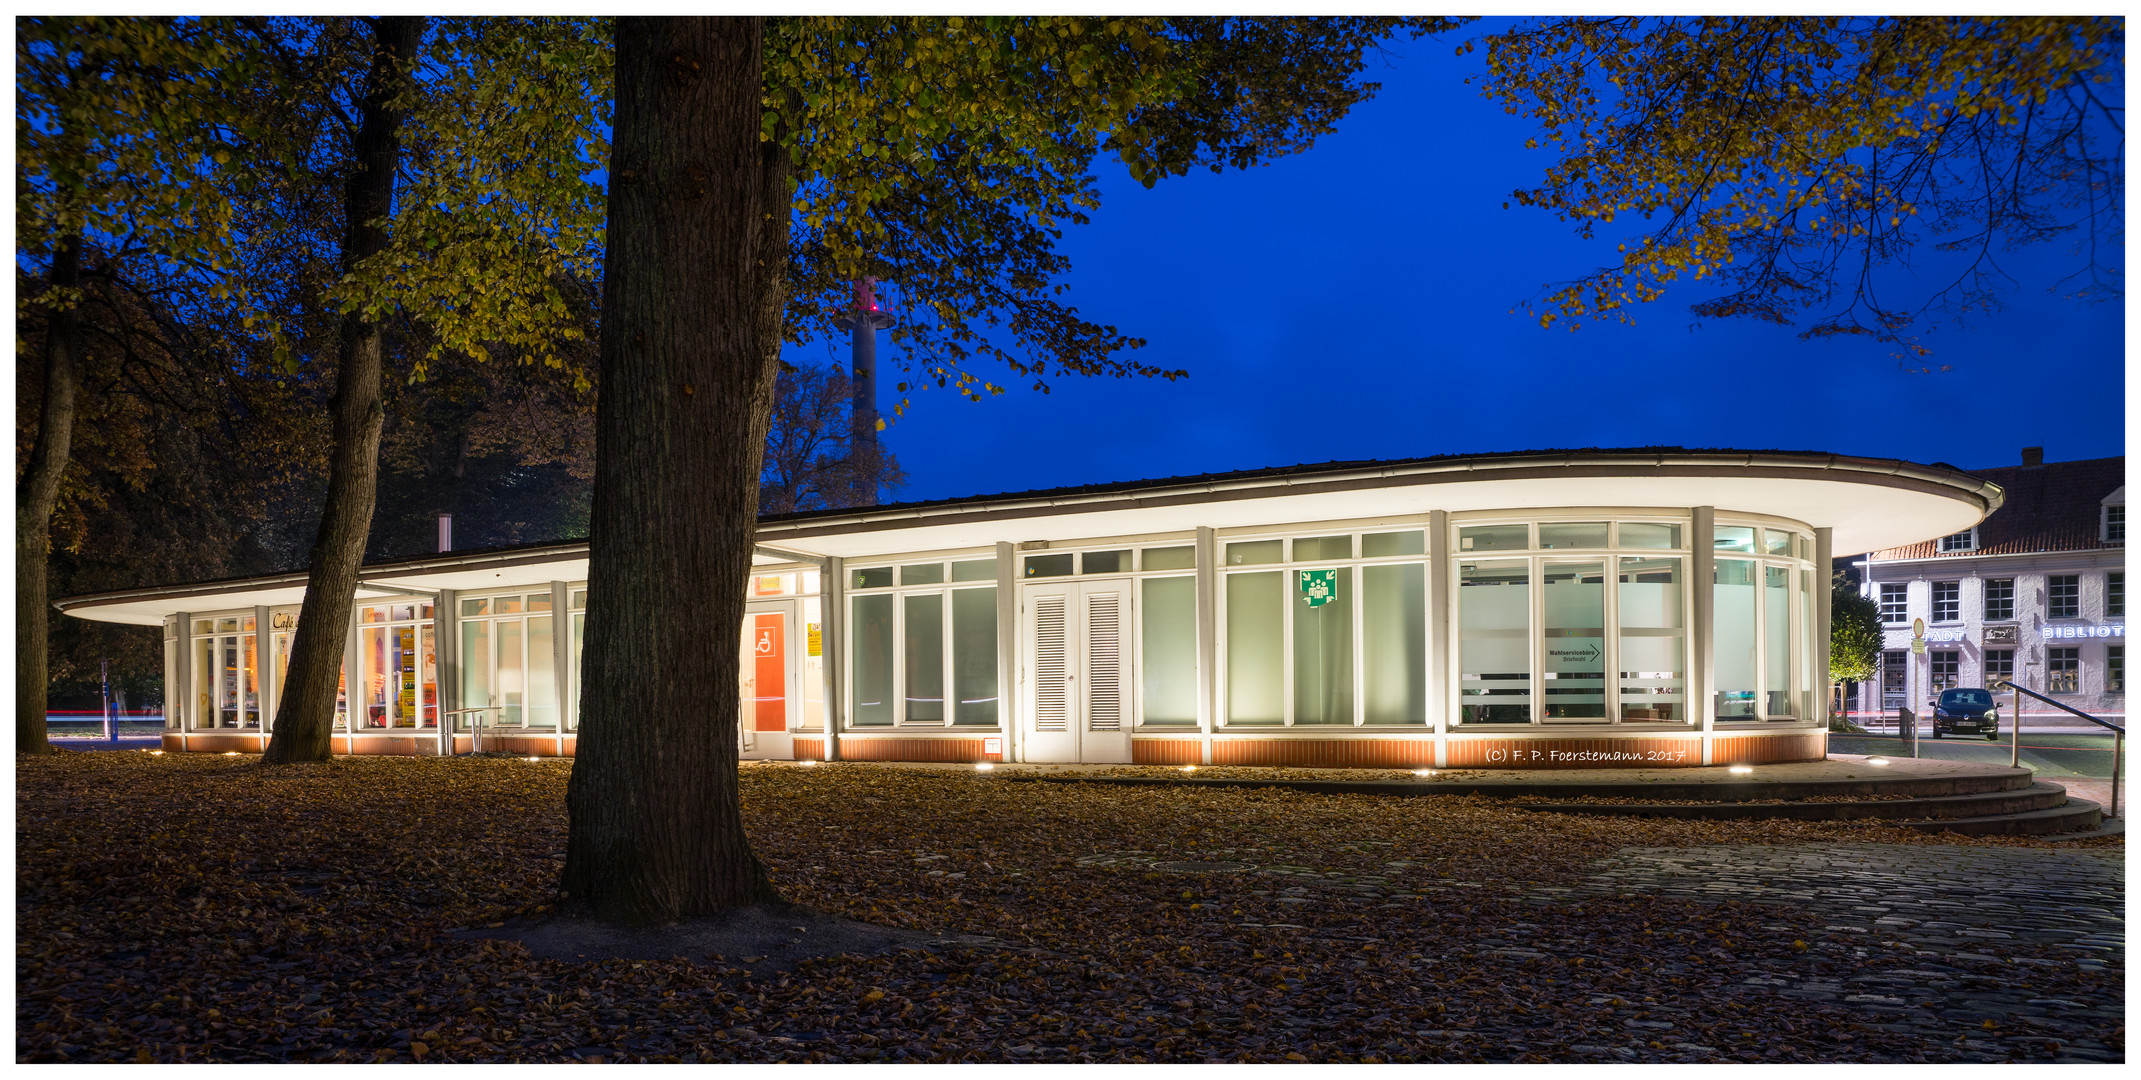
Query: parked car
1966, 711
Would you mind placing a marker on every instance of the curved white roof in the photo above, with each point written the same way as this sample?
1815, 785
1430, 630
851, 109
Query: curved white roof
1869, 503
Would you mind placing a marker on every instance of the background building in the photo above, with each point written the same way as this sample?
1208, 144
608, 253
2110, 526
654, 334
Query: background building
2036, 590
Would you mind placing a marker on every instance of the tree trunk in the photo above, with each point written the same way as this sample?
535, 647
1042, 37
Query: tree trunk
689, 356
304, 721
35, 497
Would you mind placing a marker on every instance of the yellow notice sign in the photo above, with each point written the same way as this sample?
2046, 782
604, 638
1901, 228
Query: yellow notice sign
816, 639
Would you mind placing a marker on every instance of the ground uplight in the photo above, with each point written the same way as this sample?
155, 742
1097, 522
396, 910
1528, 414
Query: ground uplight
230, 753
1741, 770
535, 759
1877, 761
984, 766
808, 761
1189, 768
1423, 772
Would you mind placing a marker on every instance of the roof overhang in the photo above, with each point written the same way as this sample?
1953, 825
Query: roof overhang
1870, 504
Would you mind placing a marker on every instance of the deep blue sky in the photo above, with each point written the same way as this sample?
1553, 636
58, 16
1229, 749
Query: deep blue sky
1355, 301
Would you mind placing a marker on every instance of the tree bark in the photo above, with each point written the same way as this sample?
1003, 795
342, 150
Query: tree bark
689, 355
35, 497
304, 721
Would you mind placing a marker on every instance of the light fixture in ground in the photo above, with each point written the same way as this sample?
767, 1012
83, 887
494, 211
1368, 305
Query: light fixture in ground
535, 759
1423, 772
1740, 770
1189, 768
984, 766
230, 753
1877, 761
808, 761
156, 753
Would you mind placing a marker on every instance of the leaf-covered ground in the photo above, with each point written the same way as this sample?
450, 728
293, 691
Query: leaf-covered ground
200, 908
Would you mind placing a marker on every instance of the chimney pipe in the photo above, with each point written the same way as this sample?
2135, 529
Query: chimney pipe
2032, 456
445, 532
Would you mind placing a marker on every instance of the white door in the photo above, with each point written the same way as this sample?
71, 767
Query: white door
1075, 655
767, 707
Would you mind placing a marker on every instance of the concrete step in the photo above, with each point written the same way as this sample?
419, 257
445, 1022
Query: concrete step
2076, 815
1976, 805
1990, 779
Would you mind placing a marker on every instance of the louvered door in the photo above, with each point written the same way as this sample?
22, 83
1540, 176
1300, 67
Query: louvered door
1074, 663
1106, 637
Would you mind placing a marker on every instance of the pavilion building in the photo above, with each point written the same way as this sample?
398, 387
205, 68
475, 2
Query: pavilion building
1652, 607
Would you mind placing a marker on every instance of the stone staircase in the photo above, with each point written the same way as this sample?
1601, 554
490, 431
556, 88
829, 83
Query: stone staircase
2008, 802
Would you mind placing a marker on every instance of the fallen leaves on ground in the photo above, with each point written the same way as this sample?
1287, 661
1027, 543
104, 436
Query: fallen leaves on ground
195, 908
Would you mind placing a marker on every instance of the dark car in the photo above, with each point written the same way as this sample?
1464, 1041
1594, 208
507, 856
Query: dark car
1966, 712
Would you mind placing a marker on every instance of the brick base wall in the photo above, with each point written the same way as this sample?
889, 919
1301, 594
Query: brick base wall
1166, 751
949, 749
1326, 753
809, 748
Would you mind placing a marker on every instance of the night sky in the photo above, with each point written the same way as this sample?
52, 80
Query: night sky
1355, 302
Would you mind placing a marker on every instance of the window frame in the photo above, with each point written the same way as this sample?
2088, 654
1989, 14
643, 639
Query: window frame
560, 621
2115, 594
943, 588
1538, 558
2111, 523
1288, 567
2060, 603
1952, 604
1967, 538
2062, 660
1902, 591
2007, 598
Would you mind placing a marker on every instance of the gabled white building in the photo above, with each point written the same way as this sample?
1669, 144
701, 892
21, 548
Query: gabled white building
2035, 592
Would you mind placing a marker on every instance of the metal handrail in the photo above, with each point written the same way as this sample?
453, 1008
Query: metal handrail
475, 729
2003, 684
2118, 734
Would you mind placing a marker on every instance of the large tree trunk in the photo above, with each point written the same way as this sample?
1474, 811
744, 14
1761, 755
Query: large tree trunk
689, 355
304, 721
35, 497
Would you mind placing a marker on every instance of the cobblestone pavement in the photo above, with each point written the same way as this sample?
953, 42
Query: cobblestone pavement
1951, 934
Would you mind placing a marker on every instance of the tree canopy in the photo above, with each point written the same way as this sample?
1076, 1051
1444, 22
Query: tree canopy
1791, 160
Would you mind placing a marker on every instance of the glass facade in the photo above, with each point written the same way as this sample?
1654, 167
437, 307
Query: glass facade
1551, 623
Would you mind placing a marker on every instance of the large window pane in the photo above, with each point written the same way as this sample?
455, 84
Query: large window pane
1393, 603
512, 675
476, 673
1732, 639
1653, 641
1777, 641
925, 659
873, 661
1323, 653
1168, 638
1256, 612
1575, 661
542, 674
579, 647
1494, 642
372, 651
974, 656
